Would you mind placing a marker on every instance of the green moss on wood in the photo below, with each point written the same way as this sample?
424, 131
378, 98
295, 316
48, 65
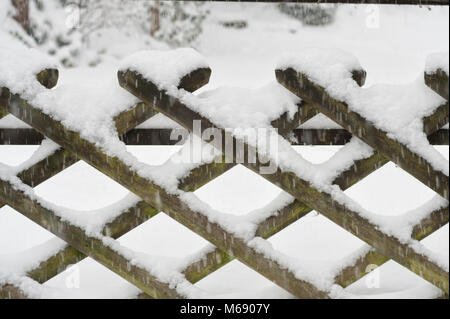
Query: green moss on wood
48, 77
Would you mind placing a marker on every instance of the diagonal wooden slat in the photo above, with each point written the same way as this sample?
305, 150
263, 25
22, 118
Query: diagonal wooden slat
349, 219
436, 120
10, 291
411, 162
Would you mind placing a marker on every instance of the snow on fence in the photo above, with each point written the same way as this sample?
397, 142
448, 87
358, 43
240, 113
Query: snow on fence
412, 118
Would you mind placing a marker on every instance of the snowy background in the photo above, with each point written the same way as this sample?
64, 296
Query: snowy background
391, 42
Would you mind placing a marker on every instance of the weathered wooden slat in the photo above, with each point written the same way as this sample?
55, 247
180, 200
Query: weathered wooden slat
430, 223
320, 137
133, 117
440, 137
56, 264
91, 246
22, 136
285, 124
438, 82
203, 174
339, 112
324, 203
160, 199
47, 168
436, 120
3, 111
359, 269
9, 291
150, 137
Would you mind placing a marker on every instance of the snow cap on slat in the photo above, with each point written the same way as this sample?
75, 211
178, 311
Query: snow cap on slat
19, 67
164, 68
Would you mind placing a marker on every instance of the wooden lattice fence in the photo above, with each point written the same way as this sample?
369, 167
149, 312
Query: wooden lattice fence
381, 246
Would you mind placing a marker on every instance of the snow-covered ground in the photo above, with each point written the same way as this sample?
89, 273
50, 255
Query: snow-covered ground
391, 43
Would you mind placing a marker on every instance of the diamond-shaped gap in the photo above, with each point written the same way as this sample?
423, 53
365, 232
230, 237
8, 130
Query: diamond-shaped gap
317, 154
154, 154
393, 281
10, 121
238, 192
163, 236
81, 187
438, 242
89, 279
320, 121
14, 155
238, 281
18, 233
316, 243
158, 121
391, 191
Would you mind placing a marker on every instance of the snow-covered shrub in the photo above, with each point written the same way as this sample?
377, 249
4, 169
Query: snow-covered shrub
310, 13
180, 21
86, 31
